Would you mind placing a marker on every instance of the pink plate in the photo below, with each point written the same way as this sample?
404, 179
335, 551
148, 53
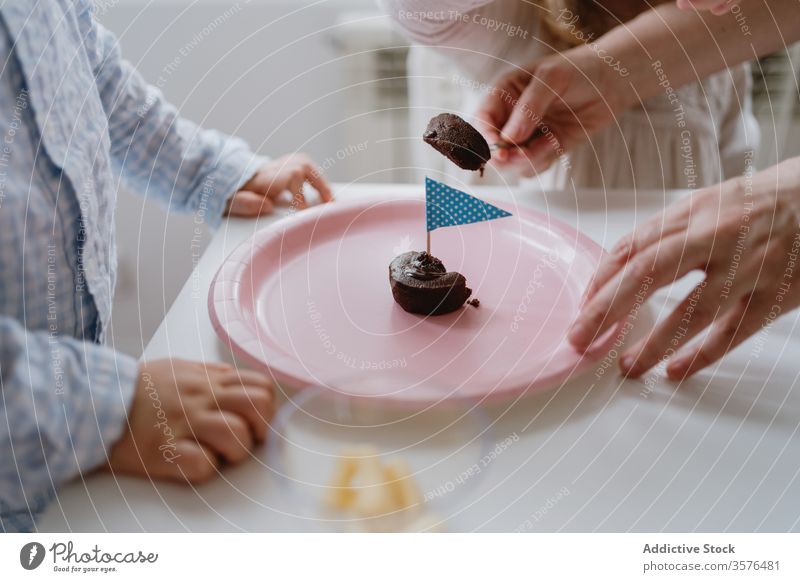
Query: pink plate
308, 298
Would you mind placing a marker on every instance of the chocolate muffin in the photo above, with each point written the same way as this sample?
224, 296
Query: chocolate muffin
421, 284
456, 139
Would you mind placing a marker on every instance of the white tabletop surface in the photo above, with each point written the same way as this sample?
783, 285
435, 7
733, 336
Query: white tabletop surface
719, 452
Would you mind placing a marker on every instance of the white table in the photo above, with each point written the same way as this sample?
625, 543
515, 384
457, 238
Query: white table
718, 453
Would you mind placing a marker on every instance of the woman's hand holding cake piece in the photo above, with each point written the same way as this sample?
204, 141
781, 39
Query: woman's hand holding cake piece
563, 98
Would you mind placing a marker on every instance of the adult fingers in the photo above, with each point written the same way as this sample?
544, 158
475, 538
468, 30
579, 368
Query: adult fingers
537, 155
746, 319
528, 111
493, 114
694, 314
673, 220
488, 125
651, 269
722, 8
225, 433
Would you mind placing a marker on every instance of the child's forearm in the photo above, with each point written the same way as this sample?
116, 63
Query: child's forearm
64, 405
161, 154
670, 47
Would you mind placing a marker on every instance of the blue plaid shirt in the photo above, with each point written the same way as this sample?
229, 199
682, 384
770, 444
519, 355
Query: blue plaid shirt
73, 116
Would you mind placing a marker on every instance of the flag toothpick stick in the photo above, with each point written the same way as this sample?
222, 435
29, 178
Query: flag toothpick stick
446, 206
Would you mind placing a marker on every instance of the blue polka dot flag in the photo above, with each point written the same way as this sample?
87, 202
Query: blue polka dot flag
446, 206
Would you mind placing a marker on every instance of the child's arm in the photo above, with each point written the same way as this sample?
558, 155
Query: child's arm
163, 155
68, 407
63, 404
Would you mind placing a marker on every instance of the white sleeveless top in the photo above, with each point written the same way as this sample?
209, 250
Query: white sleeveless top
466, 44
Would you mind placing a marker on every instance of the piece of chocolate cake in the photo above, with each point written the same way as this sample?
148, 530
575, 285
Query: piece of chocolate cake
421, 284
458, 141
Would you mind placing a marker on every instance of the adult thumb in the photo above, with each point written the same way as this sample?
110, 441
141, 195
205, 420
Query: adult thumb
528, 112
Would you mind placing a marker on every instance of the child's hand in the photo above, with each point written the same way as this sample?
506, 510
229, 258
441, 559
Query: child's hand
286, 174
187, 417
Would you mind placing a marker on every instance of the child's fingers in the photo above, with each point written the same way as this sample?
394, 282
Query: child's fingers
315, 178
225, 433
246, 203
296, 189
252, 404
191, 461
218, 366
239, 376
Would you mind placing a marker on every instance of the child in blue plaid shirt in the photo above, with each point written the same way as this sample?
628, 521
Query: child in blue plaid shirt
74, 115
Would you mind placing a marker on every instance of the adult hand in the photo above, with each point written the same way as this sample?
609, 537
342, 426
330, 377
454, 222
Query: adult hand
187, 417
716, 7
744, 234
566, 96
285, 174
